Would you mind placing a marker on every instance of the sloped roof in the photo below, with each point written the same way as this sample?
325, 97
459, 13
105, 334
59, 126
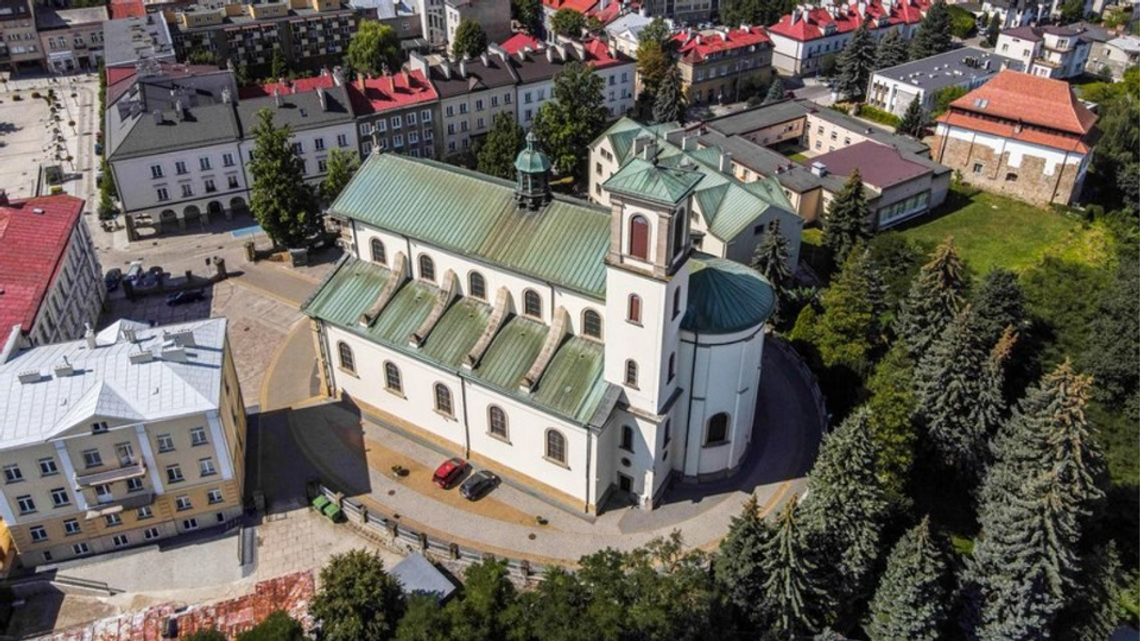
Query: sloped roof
462, 211
199, 127
1031, 100
696, 47
726, 297
647, 179
811, 23
879, 165
518, 42
418, 576
299, 111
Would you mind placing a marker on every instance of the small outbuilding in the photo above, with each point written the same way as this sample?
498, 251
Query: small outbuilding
419, 576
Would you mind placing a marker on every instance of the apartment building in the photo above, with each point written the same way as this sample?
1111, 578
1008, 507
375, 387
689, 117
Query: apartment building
716, 63
71, 39
125, 437
399, 113
493, 15
129, 41
624, 33
471, 93
1012, 13
894, 88
1048, 52
19, 41
1113, 57
52, 281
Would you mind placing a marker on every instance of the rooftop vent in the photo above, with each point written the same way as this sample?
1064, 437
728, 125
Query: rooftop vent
31, 376
182, 338
145, 356
174, 354
819, 169
64, 369
38, 210
130, 334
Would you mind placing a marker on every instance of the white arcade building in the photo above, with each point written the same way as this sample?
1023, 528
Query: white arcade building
581, 352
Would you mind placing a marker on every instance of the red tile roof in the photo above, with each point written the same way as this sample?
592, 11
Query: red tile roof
581, 6
1023, 98
1011, 130
121, 79
607, 15
880, 166
813, 23
285, 87
598, 55
34, 234
518, 42
393, 91
695, 47
127, 9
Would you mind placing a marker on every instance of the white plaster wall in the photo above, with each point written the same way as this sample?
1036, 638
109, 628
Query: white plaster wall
1017, 150
138, 190
309, 151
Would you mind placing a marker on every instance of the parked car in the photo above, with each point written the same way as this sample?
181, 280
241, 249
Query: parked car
184, 297
478, 485
134, 272
449, 473
113, 278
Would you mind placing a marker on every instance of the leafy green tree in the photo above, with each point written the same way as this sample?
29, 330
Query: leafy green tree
776, 90
501, 146
673, 593
340, 167
358, 600
738, 563
279, 66
771, 258
935, 297
1112, 352
963, 24
848, 330
892, 406
653, 66
278, 626
912, 601
943, 97
374, 49
470, 40
424, 620
794, 600
1115, 166
528, 13
669, 105
569, 123
933, 36
107, 208
998, 303
993, 30
848, 219
656, 31
487, 593
285, 207
893, 50
567, 22
209, 634
1072, 11
913, 121
856, 63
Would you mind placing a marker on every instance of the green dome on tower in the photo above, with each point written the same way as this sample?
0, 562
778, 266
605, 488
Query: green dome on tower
531, 160
533, 169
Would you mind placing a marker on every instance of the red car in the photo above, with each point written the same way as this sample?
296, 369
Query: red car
449, 473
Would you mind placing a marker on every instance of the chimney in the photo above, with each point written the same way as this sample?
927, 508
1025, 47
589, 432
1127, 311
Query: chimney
485, 59
3, 197
89, 336
324, 72
158, 119
64, 369
650, 151
323, 98
227, 97
178, 110
819, 169
463, 68
338, 76
725, 162
689, 143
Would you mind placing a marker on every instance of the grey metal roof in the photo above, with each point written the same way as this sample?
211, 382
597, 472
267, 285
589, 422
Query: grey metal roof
48, 18
634, 22
300, 111
418, 576
476, 77
105, 383
128, 40
950, 68
761, 159
759, 117
199, 127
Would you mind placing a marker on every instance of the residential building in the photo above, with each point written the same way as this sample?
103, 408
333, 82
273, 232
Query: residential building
401, 15
494, 16
1113, 57
122, 438
308, 33
581, 352
19, 41
536, 64
471, 93
1049, 52
129, 41
52, 283
624, 33
1021, 135
71, 39
398, 113
1012, 13
894, 88
433, 22
728, 217
807, 36
716, 64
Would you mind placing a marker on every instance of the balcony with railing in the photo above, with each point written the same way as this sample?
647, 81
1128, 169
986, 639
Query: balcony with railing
132, 502
129, 469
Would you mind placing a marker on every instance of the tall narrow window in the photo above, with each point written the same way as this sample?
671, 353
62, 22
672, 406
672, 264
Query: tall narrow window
592, 324
392, 378
627, 438
639, 237
634, 315
477, 286
532, 303
427, 268
497, 422
680, 221
378, 255
443, 399
718, 430
672, 365
555, 446
630, 373
347, 362
676, 302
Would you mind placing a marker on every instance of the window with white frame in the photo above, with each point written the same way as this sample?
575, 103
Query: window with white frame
190, 524
156, 171
150, 533
80, 549
204, 163
214, 496
187, 190
161, 194
206, 467
71, 527
174, 474
425, 116
165, 443
113, 520
59, 497
144, 512
180, 167
319, 144
183, 503
12, 473
198, 436
92, 458
119, 540
135, 484
410, 118
396, 122
39, 534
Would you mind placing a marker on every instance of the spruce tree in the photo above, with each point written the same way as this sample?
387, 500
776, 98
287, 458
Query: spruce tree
669, 105
848, 331
284, 205
844, 509
775, 90
936, 295
912, 602
998, 304
893, 50
738, 565
913, 120
992, 407
933, 36
848, 219
1092, 612
856, 64
771, 259
893, 429
793, 601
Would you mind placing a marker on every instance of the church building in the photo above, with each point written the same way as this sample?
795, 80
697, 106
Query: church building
584, 353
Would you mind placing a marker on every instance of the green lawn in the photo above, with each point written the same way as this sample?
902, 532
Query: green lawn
993, 231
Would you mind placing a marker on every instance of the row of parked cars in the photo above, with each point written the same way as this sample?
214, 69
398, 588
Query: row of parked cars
138, 277
478, 485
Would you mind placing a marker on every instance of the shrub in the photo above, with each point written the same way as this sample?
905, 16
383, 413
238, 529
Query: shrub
17, 98
878, 115
36, 95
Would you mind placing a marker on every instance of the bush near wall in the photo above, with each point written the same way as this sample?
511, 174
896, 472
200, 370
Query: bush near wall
878, 115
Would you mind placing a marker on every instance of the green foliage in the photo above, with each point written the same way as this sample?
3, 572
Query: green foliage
913, 121
501, 146
285, 207
794, 601
1093, 611
201, 57
776, 90
1061, 296
738, 564
771, 259
656, 31
998, 303
1112, 179
340, 167
754, 12
653, 66
424, 620
848, 331
893, 50
669, 105
374, 49
358, 600
893, 432
875, 114
897, 262
934, 33
470, 40
528, 13
827, 65
993, 30
211, 634
913, 599
487, 593
856, 63
278, 626
1072, 11
567, 22
962, 22
936, 296
279, 67
848, 219
943, 97
569, 123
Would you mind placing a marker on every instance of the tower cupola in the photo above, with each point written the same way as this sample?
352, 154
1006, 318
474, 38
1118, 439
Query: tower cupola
533, 170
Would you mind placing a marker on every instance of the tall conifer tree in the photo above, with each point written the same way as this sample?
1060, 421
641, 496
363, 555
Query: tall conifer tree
998, 304
912, 602
913, 120
848, 219
848, 330
935, 297
739, 562
856, 64
669, 105
933, 36
771, 259
893, 50
793, 599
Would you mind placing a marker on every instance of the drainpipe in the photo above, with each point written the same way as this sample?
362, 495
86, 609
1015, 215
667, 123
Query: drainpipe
689, 417
466, 423
589, 460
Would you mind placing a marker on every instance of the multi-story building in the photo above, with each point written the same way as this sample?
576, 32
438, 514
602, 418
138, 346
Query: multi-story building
397, 112
308, 33
471, 93
1021, 135
19, 41
1113, 57
129, 41
53, 285
71, 39
579, 351
536, 64
1049, 52
808, 35
122, 438
716, 63
433, 22
894, 88
401, 15
494, 16
1012, 13
624, 33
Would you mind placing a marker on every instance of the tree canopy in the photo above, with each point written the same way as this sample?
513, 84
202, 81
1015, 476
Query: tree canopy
569, 123
284, 205
914, 120
567, 22
358, 600
501, 146
856, 64
848, 219
669, 106
374, 49
339, 169
934, 32
470, 40
528, 13
893, 50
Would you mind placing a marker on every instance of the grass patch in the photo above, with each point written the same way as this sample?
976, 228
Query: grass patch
993, 231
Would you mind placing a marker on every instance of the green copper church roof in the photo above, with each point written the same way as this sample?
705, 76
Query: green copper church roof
726, 297
641, 178
465, 212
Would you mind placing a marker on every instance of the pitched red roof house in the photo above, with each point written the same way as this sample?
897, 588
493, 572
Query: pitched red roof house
34, 233
581, 6
519, 42
816, 22
393, 91
696, 47
127, 9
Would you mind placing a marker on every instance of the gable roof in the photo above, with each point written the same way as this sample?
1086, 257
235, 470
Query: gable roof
1029, 99
879, 165
697, 47
476, 76
199, 126
811, 23
300, 111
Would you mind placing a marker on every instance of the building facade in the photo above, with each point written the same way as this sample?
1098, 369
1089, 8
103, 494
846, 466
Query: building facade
95, 459
53, 284
583, 352
471, 93
1113, 57
494, 16
716, 64
398, 113
1020, 135
894, 88
72, 39
1049, 52
19, 40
